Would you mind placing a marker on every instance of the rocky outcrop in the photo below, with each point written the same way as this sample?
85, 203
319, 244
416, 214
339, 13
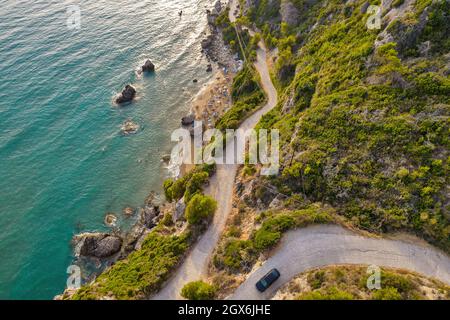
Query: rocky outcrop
97, 245
149, 216
289, 13
127, 94
207, 42
148, 66
178, 213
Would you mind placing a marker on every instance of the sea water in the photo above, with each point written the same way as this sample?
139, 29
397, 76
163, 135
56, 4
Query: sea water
63, 160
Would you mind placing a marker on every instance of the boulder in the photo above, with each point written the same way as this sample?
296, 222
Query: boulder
166, 158
129, 127
218, 7
97, 245
148, 66
178, 213
127, 94
289, 13
110, 219
128, 211
206, 43
149, 216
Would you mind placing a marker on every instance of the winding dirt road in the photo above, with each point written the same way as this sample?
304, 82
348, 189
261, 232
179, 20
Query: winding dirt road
317, 246
195, 265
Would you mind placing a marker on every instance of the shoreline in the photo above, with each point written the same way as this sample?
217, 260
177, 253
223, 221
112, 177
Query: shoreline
208, 104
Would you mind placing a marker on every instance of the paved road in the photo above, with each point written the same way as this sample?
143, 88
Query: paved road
195, 266
317, 246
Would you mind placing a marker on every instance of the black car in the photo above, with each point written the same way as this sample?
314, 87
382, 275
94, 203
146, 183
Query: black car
267, 280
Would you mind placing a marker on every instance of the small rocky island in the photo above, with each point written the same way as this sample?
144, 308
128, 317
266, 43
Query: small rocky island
127, 94
148, 66
129, 127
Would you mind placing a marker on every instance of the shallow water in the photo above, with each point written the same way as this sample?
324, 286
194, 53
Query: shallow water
63, 161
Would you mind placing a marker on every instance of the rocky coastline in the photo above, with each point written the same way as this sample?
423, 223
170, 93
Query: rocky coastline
94, 251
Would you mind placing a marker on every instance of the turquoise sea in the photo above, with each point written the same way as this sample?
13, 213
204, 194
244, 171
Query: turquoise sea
63, 161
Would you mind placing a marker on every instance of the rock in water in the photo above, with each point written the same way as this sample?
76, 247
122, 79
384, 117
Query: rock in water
128, 211
110, 219
148, 66
98, 245
128, 94
129, 127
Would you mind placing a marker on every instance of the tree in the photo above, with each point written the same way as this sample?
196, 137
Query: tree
199, 208
198, 290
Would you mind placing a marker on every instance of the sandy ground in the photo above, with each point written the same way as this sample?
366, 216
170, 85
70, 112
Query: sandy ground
214, 99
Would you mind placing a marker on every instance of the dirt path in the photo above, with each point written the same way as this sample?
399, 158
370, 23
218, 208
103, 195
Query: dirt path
195, 266
317, 246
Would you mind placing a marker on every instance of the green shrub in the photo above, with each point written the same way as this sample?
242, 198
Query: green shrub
141, 273
198, 290
200, 207
194, 185
331, 293
388, 293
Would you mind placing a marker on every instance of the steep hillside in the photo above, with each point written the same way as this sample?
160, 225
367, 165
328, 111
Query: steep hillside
364, 113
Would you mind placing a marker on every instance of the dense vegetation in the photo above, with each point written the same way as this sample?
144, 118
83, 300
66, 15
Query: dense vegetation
198, 290
364, 119
188, 185
142, 273
235, 254
200, 208
350, 283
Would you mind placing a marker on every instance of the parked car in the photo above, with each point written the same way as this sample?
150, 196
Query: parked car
267, 280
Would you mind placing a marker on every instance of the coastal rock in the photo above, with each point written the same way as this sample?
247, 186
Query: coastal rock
188, 120
289, 13
151, 198
178, 213
129, 127
97, 245
149, 216
218, 7
206, 43
148, 66
127, 94
166, 158
110, 219
128, 211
